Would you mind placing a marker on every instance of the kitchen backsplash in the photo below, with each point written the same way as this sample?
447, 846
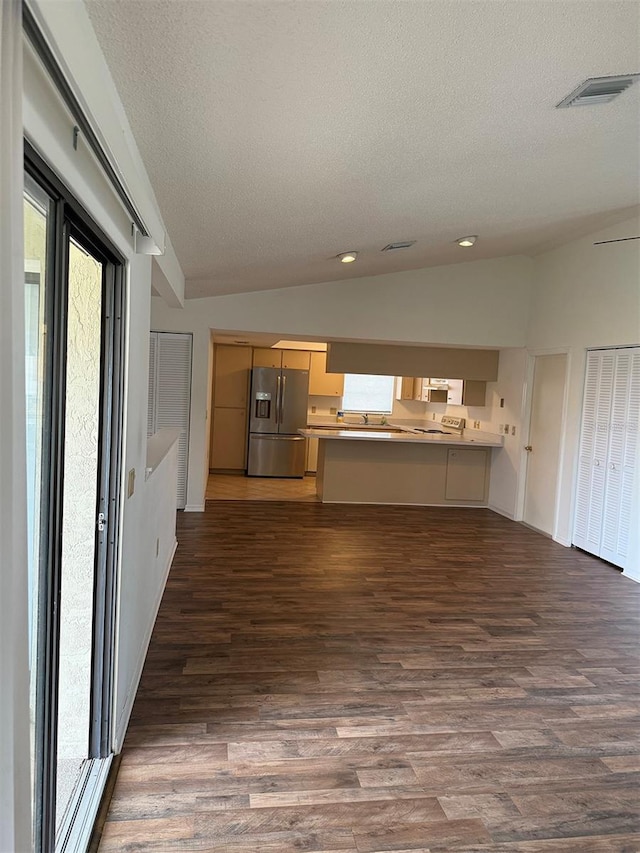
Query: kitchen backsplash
411, 409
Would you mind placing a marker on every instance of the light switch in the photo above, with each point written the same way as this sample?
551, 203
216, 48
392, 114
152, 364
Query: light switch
131, 487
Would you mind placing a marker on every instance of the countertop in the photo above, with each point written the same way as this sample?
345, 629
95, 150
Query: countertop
482, 439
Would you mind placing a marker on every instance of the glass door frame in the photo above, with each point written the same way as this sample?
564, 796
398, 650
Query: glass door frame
70, 220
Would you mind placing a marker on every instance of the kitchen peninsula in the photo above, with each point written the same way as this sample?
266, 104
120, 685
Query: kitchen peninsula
403, 467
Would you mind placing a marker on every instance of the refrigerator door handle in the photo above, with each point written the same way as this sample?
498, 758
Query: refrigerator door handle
282, 393
278, 406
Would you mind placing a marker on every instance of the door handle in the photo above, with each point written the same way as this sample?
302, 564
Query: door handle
278, 380
282, 396
528, 448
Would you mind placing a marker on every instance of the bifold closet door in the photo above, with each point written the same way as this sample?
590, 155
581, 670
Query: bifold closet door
621, 458
608, 447
170, 395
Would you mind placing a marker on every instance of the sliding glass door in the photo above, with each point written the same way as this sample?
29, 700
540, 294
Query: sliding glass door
73, 299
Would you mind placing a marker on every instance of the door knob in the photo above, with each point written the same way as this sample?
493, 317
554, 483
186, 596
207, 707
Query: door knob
528, 448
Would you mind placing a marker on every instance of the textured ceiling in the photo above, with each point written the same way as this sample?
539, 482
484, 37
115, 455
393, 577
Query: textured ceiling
277, 134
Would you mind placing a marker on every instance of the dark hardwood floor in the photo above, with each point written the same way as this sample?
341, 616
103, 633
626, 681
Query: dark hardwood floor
340, 678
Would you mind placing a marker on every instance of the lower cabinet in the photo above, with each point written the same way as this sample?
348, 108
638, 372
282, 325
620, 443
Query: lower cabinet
467, 470
229, 442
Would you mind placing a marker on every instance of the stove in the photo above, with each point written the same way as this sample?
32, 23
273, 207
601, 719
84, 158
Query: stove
449, 425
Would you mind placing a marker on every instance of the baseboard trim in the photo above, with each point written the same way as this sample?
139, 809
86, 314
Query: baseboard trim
123, 724
194, 508
502, 512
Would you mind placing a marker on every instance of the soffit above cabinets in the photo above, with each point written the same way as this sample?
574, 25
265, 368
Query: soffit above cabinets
382, 360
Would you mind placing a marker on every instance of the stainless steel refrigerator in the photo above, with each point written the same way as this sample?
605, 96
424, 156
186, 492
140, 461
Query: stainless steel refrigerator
278, 410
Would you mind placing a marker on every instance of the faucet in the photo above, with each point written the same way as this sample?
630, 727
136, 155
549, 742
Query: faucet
365, 418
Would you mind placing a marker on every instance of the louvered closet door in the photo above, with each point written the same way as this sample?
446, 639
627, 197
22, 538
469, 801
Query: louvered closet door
608, 447
172, 396
621, 458
593, 450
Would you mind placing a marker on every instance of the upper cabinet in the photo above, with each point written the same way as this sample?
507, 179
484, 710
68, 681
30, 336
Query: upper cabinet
321, 383
263, 357
456, 392
426, 392
406, 387
231, 376
294, 359
467, 392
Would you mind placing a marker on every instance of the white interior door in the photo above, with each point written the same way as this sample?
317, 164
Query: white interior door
545, 428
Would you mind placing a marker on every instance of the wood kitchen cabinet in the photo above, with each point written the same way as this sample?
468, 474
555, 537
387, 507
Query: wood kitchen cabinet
321, 383
294, 359
229, 439
231, 376
263, 357
406, 388
410, 388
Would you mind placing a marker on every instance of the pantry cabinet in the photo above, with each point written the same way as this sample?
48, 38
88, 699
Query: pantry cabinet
321, 383
229, 442
604, 515
231, 378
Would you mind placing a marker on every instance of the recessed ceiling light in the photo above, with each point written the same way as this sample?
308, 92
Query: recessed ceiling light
467, 241
347, 257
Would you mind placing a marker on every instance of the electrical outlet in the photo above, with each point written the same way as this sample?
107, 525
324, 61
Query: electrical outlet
506, 429
501, 428
333, 411
513, 430
313, 410
433, 416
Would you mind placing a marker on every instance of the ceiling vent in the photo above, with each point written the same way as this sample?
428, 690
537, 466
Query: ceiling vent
402, 244
598, 90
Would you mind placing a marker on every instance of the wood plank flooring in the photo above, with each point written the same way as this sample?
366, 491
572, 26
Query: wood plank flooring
339, 678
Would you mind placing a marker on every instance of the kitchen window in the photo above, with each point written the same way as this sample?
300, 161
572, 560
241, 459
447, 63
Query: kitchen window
365, 393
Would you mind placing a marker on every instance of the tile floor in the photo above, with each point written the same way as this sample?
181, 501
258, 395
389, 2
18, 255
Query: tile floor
233, 487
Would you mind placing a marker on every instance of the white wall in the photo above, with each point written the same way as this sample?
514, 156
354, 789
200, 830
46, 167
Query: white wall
148, 547
484, 303
585, 296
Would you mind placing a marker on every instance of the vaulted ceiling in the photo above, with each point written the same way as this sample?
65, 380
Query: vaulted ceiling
278, 133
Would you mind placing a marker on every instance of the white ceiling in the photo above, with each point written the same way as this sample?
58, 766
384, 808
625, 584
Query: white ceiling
277, 134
